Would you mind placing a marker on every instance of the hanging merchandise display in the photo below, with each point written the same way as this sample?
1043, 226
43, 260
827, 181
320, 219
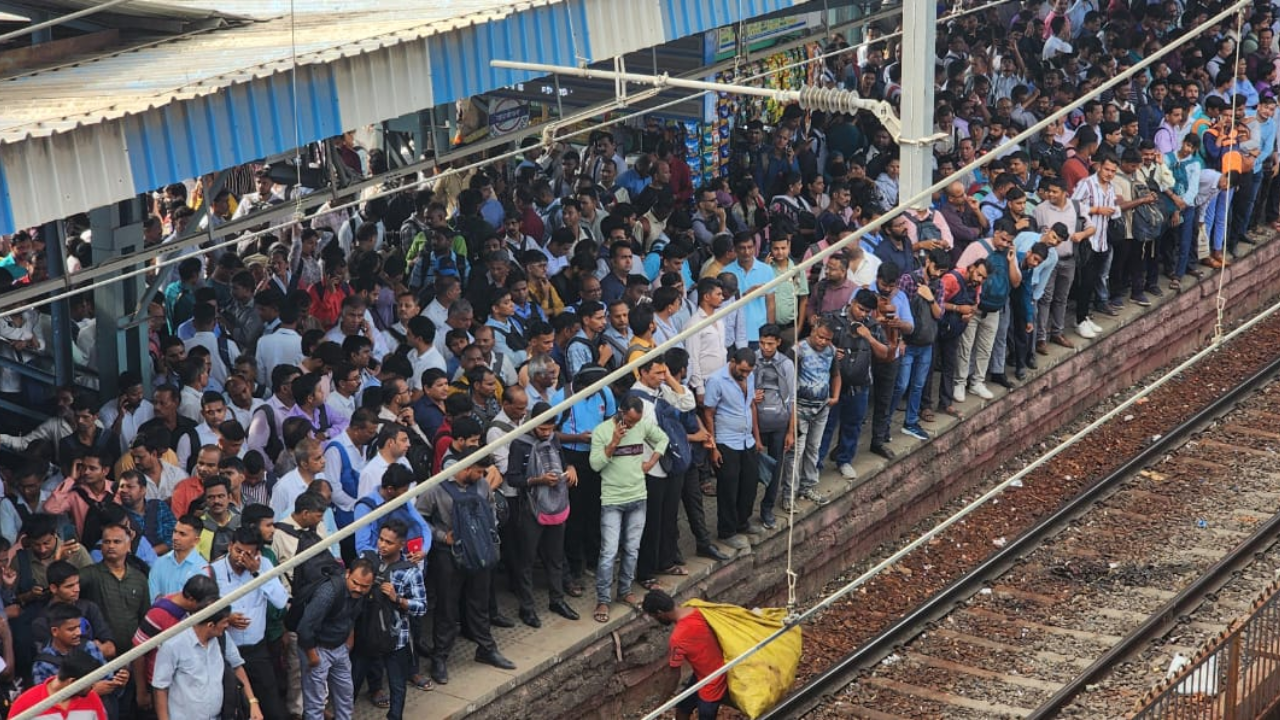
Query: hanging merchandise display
725, 112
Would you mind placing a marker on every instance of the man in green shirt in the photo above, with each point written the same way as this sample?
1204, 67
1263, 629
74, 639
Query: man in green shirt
789, 298
117, 587
617, 453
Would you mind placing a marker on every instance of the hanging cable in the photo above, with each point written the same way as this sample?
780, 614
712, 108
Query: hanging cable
1220, 300
297, 122
528, 425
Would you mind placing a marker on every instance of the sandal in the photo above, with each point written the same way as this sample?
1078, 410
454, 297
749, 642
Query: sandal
632, 600
422, 682
708, 490
674, 570
926, 415
651, 584
602, 613
380, 699
953, 412
573, 588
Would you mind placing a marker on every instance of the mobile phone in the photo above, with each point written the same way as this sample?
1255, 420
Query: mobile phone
67, 533
414, 546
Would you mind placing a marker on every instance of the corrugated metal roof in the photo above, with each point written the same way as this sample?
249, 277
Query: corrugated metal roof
210, 100
159, 9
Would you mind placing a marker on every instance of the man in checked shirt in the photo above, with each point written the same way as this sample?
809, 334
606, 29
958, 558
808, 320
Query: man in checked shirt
401, 582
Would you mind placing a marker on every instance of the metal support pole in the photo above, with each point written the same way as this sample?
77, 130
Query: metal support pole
60, 317
117, 230
919, 20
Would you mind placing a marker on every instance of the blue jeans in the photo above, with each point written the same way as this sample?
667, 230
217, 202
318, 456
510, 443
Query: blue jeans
913, 373
624, 521
1215, 218
853, 411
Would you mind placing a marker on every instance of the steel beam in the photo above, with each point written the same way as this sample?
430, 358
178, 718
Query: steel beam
919, 21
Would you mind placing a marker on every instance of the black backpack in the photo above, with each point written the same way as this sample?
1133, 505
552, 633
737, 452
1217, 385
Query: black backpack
375, 627
855, 368
679, 455
951, 326
274, 444
308, 576
475, 531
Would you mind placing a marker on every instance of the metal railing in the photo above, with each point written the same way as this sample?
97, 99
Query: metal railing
1234, 677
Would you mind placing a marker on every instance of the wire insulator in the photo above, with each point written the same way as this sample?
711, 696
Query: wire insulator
830, 100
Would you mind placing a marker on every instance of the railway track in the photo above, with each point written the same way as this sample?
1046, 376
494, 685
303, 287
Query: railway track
1109, 574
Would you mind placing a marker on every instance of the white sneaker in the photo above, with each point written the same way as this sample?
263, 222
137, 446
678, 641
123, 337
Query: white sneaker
848, 472
1093, 325
1084, 331
958, 393
979, 388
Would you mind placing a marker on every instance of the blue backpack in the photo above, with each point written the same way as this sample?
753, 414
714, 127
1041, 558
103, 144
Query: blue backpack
350, 482
475, 530
679, 456
996, 288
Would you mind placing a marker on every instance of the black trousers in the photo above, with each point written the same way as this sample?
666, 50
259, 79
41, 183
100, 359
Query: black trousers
694, 513
537, 540
662, 511
259, 667
735, 489
582, 531
883, 378
458, 593
946, 356
1088, 267
1020, 345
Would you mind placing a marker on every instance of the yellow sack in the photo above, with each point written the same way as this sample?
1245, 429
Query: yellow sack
760, 681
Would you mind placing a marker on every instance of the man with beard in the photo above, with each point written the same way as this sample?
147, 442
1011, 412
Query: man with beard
896, 247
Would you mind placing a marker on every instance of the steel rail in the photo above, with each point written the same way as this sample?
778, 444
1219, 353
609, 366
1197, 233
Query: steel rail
946, 600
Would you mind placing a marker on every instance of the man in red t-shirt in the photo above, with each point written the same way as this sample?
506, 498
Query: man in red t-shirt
692, 641
85, 706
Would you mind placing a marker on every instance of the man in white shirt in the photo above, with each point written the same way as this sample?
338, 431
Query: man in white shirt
125, 414
420, 335
393, 443
161, 477
706, 347
295, 482
448, 291
344, 400
222, 350
282, 347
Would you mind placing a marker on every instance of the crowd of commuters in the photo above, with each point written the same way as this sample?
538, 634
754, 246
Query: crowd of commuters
301, 379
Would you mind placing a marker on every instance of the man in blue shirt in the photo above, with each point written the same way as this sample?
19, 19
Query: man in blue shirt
730, 418
752, 274
395, 482
582, 530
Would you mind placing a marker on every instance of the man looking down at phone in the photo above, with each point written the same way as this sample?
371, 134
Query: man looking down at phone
536, 468
1003, 275
28, 575
618, 454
